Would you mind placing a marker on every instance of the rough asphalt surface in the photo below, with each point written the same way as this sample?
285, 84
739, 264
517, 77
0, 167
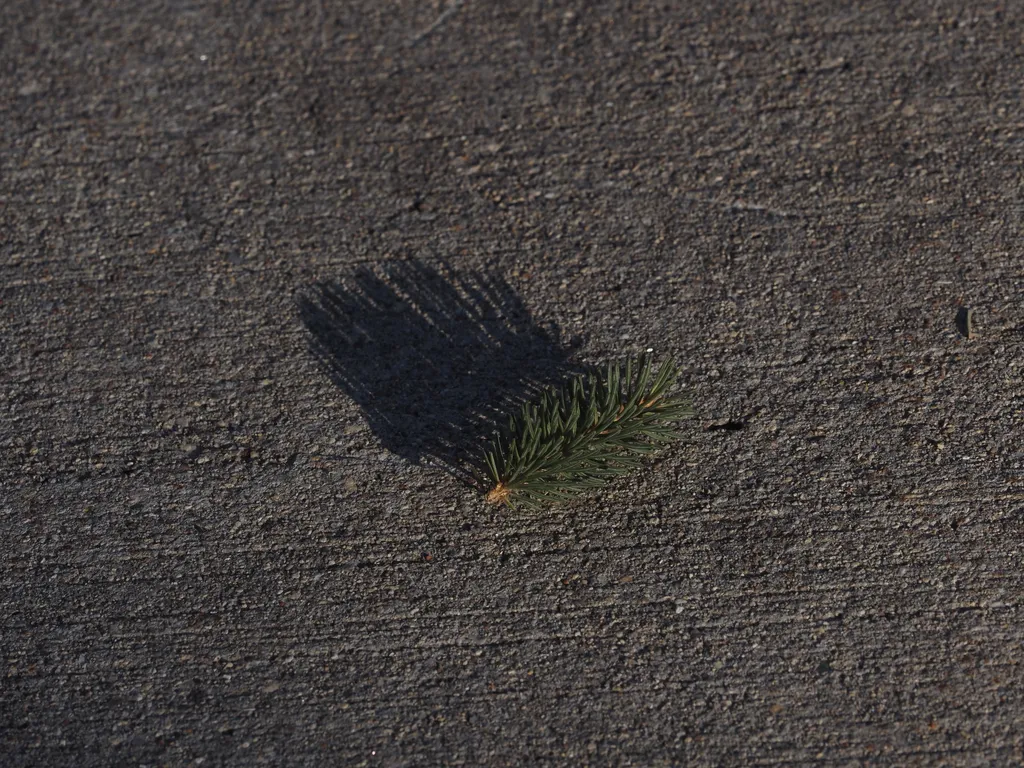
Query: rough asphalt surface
270, 268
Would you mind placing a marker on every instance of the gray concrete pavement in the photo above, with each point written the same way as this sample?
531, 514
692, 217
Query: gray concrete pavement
268, 270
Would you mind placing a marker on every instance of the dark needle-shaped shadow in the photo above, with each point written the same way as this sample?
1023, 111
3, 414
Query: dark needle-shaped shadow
436, 358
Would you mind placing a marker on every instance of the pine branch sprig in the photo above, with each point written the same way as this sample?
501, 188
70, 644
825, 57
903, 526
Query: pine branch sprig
590, 431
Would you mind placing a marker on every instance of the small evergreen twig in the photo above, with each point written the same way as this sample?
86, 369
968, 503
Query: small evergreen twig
590, 431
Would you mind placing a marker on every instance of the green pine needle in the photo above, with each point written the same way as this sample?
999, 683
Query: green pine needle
590, 431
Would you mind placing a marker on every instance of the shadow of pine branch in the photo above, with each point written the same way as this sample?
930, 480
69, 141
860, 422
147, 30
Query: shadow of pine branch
437, 359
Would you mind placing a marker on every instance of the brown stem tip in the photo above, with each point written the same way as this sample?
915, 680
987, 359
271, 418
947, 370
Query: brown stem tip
498, 494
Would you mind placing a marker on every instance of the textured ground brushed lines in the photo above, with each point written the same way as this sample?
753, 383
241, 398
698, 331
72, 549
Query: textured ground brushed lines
792, 200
